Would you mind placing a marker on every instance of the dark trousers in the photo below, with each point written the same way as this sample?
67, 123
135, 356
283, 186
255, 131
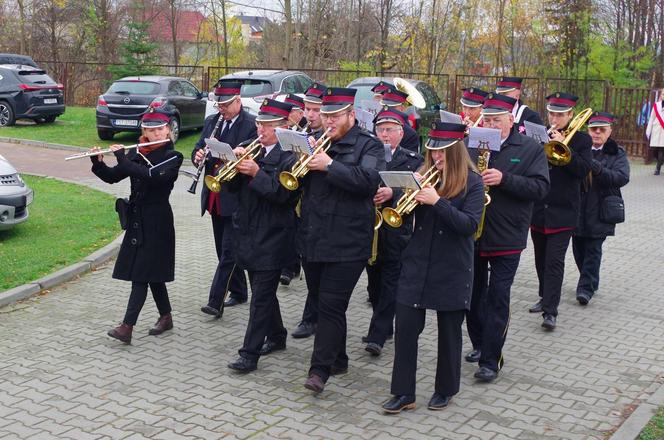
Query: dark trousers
292, 271
383, 278
477, 302
490, 331
227, 276
334, 284
410, 323
264, 313
588, 257
658, 154
310, 312
139, 292
550, 250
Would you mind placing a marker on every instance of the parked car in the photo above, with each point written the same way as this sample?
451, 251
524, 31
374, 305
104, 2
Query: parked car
127, 99
13, 58
15, 196
419, 119
260, 84
28, 92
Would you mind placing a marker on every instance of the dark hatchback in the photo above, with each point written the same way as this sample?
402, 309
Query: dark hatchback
27, 92
128, 99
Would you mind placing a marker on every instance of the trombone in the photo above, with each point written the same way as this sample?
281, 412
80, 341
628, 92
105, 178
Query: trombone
290, 179
407, 203
558, 153
229, 170
108, 150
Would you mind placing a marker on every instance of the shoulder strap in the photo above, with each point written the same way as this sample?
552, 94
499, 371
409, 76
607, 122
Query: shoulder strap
657, 110
519, 113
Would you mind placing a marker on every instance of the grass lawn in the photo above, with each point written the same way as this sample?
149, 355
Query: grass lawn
654, 430
67, 222
78, 127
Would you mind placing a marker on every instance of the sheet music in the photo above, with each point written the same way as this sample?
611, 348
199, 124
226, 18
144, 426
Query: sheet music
536, 131
295, 141
450, 117
220, 150
400, 179
483, 138
364, 119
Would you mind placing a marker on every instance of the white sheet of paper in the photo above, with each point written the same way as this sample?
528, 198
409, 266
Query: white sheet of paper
364, 119
399, 179
481, 137
450, 117
291, 140
220, 150
536, 131
370, 105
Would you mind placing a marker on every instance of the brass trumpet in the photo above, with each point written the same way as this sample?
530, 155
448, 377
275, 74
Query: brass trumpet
558, 153
407, 203
229, 170
290, 179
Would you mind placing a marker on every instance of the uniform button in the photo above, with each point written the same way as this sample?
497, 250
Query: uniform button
546, 206
138, 180
440, 232
216, 165
467, 285
469, 269
134, 241
134, 209
135, 225
419, 228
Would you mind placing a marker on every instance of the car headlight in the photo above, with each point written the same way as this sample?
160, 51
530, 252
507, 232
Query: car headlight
20, 180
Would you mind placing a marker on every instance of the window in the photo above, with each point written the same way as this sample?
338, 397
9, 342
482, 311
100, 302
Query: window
175, 89
289, 84
304, 82
35, 77
189, 90
134, 87
254, 87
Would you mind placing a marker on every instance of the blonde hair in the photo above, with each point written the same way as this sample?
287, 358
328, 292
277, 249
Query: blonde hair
454, 175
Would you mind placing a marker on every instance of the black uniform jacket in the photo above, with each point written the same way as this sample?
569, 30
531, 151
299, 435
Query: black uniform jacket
264, 222
528, 114
525, 180
147, 253
610, 172
411, 140
337, 205
437, 264
560, 208
392, 241
242, 129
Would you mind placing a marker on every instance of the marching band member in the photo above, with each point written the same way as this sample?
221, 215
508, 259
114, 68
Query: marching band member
511, 86
471, 105
398, 100
236, 126
556, 216
610, 172
517, 176
147, 253
379, 89
382, 276
437, 270
336, 228
296, 117
264, 234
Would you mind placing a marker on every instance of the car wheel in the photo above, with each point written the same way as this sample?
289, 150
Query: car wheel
50, 119
7, 116
105, 135
175, 129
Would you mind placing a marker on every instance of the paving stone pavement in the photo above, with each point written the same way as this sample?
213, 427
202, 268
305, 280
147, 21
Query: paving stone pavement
62, 377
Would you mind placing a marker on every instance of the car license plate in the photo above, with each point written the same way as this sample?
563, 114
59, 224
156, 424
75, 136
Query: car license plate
126, 122
50, 101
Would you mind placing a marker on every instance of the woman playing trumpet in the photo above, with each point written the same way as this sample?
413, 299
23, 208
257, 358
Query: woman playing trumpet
437, 268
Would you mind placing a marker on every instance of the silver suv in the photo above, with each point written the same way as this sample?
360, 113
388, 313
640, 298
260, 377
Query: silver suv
15, 196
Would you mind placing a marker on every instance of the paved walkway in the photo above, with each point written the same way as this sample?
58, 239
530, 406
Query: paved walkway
62, 377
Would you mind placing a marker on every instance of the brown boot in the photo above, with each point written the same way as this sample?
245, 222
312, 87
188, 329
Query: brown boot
122, 333
164, 323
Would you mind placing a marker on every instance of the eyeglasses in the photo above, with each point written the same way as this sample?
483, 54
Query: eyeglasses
387, 129
599, 129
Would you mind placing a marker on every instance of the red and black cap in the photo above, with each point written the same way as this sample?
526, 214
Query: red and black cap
337, 99
157, 117
444, 134
390, 115
497, 104
473, 97
314, 94
601, 119
394, 97
382, 87
225, 91
295, 101
272, 110
560, 102
508, 83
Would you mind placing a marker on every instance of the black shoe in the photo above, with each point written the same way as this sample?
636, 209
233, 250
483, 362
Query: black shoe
373, 348
243, 365
473, 356
657, 172
399, 403
303, 330
583, 298
549, 322
230, 302
486, 374
211, 311
336, 370
285, 279
271, 346
536, 308
315, 383
438, 402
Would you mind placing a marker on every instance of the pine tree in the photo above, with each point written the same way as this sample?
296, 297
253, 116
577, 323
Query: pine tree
137, 53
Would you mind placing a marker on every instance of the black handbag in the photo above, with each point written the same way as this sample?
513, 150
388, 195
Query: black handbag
612, 210
122, 208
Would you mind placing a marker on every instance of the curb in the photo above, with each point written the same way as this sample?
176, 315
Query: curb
40, 144
632, 427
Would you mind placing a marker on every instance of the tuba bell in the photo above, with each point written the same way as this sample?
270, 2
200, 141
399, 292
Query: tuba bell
415, 98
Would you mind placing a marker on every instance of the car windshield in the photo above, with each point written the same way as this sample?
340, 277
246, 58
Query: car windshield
35, 77
254, 87
364, 93
134, 87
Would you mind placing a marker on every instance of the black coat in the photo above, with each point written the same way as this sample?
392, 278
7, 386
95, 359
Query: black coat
264, 222
147, 253
337, 205
525, 180
242, 129
560, 208
610, 169
527, 115
437, 264
392, 241
411, 140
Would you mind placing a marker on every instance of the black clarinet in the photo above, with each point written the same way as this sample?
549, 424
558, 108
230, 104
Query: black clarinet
201, 166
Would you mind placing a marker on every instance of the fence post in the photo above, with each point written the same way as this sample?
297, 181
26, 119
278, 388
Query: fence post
607, 96
65, 84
